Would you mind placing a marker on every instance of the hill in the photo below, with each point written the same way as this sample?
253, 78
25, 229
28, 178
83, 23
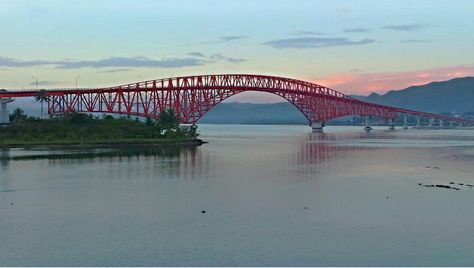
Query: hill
436, 97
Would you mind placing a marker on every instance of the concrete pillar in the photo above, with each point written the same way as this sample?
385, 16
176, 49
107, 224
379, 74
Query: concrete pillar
418, 122
441, 123
451, 124
405, 122
4, 116
317, 126
430, 122
391, 125
367, 124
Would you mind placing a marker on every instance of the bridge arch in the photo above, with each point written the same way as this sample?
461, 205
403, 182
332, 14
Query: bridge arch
192, 96
283, 99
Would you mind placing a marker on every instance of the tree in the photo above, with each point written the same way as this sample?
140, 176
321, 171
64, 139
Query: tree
149, 122
42, 96
168, 119
17, 115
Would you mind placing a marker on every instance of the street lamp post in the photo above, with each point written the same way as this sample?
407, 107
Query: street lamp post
36, 81
77, 77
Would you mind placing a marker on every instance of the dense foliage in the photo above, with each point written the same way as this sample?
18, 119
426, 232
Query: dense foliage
84, 128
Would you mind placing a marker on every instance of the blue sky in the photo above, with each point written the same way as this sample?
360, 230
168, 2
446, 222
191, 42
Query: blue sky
352, 46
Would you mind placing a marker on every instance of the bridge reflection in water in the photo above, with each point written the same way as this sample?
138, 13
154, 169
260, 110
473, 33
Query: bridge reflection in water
307, 158
284, 157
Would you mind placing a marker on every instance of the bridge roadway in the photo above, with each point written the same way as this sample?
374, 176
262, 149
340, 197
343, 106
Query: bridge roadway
192, 96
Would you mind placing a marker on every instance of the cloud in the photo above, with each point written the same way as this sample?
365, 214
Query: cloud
116, 71
222, 39
10, 62
231, 38
43, 83
365, 83
131, 62
342, 9
405, 27
416, 41
218, 57
306, 33
315, 42
196, 54
357, 30
107, 62
123, 63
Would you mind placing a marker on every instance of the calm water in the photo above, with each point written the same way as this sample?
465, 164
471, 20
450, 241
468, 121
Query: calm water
273, 195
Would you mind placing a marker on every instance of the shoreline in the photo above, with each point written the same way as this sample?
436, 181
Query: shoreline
106, 144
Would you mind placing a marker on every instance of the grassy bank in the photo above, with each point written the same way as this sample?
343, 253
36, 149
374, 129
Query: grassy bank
77, 129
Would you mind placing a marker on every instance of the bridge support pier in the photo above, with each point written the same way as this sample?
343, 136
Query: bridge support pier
317, 126
418, 122
367, 124
441, 123
4, 116
430, 122
405, 122
391, 125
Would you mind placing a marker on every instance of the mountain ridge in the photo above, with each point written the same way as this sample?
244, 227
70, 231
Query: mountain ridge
454, 95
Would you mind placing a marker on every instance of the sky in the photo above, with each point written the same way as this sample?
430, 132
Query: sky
355, 47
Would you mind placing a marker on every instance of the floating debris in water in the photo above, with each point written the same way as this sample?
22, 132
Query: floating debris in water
452, 183
439, 186
305, 207
435, 167
203, 211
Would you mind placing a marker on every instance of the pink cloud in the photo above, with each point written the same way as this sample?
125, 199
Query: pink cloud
365, 83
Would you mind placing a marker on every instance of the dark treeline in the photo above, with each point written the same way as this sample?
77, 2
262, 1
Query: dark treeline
85, 128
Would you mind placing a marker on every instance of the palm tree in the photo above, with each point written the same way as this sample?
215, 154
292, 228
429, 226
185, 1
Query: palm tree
42, 96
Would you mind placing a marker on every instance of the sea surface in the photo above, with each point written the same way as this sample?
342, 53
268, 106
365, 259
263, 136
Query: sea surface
252, 196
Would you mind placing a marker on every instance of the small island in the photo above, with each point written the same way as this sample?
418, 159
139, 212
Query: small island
86, 130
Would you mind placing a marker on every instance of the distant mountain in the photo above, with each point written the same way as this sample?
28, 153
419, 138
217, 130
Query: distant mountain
436, 97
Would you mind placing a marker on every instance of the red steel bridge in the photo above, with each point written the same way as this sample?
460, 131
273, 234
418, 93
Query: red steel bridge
192, 96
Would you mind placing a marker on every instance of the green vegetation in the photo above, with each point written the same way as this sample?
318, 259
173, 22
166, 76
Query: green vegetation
42, 97
84, 129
